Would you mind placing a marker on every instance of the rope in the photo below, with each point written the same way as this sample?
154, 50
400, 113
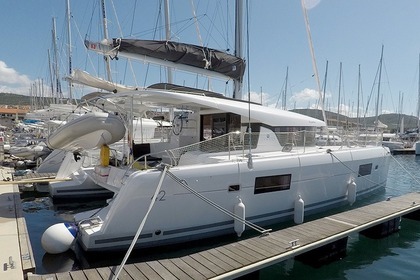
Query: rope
184, 184
164, 171
356, 172
411, 175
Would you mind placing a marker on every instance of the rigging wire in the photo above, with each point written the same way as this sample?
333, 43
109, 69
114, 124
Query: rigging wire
140, 228
121, 34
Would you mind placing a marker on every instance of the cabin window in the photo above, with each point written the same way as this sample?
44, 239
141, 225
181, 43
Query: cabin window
365, 169
272, 183
234, 188
214, 125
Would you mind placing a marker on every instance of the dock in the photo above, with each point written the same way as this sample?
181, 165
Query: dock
16, 256
251, 255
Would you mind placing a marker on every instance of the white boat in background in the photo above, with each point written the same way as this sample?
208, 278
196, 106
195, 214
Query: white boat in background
52, 162
393, 142
78, 154
84, 134
31, 152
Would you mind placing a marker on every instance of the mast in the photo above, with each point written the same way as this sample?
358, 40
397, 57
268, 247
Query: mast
237, 83
105, 26
56, 67
339, 95
379, 89
418, 101
325, 80
314, 66
50, 68
168, 36
358, 98
69, 49
285, 90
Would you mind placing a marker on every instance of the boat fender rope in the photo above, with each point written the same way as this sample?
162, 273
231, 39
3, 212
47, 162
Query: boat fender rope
136, 236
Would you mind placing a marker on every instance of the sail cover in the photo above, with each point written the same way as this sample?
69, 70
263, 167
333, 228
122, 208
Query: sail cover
82, 77
187, 54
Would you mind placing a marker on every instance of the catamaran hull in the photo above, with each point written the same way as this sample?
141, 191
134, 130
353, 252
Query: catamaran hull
80, 187
321, 179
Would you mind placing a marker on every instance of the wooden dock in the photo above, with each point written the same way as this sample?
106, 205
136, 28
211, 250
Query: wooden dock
250, 255
34, 177
16, 256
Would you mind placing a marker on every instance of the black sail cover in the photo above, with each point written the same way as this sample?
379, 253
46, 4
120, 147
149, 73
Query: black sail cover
187, 54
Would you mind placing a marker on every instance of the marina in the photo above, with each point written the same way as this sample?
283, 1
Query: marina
16, 254
190, 174
251, 254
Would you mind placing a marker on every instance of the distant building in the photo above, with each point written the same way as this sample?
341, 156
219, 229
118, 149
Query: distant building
10, 114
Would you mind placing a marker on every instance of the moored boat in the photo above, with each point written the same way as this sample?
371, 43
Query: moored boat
214, 157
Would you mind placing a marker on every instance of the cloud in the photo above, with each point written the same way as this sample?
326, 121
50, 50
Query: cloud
305, 95
263, 98
11, 81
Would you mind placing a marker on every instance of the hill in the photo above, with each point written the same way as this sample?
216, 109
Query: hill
391, 120
21, 100
14, 99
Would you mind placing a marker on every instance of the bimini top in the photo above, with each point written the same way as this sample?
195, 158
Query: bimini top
185, 99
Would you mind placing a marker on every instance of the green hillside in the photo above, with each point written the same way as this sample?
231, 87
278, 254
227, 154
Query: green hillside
391, 120
14, 99
21, 100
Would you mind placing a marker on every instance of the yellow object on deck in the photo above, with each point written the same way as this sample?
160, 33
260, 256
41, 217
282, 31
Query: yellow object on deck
104, 156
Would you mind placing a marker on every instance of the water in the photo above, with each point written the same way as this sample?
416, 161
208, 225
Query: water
393, 257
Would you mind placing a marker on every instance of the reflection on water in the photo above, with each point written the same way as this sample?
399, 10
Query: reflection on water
395, 255
59, 262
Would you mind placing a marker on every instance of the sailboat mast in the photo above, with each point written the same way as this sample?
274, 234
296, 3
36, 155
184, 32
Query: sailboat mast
237, 93
69, 50
50, 68
325, 81
418, 101
314, 66
339, 95
358, 98
168, 36
285, 90
105, 26
379, 89
58, 92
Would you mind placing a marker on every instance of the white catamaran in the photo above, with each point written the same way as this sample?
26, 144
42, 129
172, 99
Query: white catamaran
225, 165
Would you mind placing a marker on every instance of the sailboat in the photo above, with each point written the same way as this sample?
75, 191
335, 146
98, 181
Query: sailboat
228, 165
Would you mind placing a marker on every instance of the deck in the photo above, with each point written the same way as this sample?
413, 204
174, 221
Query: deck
247, 256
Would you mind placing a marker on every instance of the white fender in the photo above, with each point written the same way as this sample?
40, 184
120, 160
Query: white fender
59, 238
351, 192
239, 211
299, 212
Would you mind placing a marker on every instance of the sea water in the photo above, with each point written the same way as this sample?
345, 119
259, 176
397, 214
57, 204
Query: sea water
393, 257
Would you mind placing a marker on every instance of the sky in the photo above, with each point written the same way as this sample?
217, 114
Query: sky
346, 33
